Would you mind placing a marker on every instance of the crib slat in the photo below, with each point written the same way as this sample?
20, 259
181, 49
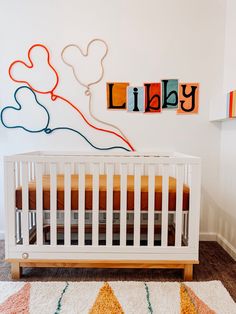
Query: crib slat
123, 203
39, 203
9, 187
31, 220
67, 209
137, 200
95, 210
109, 207
34, 219
151, 199
194, 206
185, 226
81, 204
31, 170
17, 233
165, 199
17, 167
53, 204
25, 203
179, 203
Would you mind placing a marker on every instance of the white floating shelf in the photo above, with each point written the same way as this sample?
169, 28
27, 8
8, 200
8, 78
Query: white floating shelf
218, 108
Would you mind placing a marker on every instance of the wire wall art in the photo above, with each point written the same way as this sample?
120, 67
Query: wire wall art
34, 88
88, 85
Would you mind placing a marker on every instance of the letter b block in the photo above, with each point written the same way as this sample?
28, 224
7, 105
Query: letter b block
152, 97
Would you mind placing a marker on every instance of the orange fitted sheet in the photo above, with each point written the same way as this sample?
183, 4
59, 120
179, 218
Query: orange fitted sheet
102, 193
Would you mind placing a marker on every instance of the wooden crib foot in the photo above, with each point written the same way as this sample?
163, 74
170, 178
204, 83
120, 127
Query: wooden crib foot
15, 270
188, 272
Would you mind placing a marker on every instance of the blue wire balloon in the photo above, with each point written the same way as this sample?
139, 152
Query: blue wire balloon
46, 129
20, 107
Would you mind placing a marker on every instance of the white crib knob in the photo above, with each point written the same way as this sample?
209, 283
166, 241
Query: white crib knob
25, 255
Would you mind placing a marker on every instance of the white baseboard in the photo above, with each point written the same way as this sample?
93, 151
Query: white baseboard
213, 236
208, 236
227, 246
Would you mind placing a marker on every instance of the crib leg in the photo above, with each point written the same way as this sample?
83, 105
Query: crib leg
188, 272
15, 270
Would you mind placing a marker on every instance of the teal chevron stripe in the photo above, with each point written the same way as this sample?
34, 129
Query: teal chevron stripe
58, 310
150, 310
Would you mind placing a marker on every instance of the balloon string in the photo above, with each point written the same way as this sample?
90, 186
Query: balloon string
54, 97
87, 93
49, 131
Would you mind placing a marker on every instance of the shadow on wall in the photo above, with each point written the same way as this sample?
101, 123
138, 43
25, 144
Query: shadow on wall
215, 220
226, 227
209, 208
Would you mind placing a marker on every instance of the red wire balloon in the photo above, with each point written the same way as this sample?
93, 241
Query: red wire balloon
31, 65
54, 96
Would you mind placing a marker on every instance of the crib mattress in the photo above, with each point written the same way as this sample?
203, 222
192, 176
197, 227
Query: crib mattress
102, 193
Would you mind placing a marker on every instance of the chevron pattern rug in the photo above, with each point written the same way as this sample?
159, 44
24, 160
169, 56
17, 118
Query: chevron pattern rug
115, 298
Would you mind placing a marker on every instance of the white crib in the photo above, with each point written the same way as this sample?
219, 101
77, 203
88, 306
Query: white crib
68, 227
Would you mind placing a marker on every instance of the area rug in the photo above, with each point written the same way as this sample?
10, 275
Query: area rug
115, 298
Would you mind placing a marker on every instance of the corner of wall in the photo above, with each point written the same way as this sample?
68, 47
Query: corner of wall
2, 235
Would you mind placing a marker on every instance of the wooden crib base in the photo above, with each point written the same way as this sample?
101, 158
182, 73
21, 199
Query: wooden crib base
18, 264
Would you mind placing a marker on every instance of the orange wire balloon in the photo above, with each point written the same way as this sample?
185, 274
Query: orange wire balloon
30, 66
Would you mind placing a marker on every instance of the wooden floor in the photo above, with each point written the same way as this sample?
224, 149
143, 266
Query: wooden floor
215, 264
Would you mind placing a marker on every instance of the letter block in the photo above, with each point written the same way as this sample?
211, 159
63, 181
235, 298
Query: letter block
116, 95
152, 97
170, 94
135, 99
188, 98
232, 104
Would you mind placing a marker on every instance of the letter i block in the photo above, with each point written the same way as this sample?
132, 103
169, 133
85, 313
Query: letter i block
152, 97
135, 99
188, 98
116, 95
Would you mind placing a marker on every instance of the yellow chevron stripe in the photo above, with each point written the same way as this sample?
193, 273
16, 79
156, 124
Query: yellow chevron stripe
106, 302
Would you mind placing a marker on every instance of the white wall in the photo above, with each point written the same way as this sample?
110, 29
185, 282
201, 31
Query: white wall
148, 41
227, 210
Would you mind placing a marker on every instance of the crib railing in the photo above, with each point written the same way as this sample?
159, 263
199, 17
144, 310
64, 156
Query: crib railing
24, 224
